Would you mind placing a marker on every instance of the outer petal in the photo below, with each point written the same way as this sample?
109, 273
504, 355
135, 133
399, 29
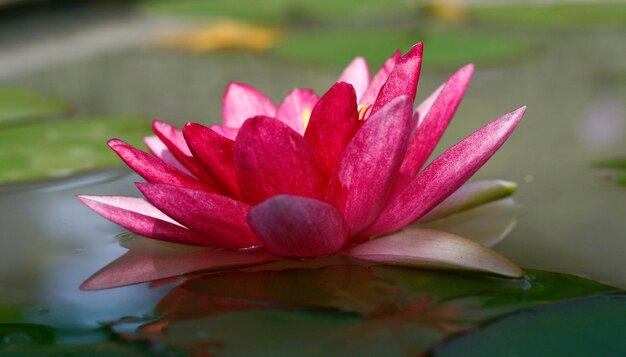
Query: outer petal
334, 121
153, 169
469, 196
424, 107
380, 78
272, 159
298, 227
139, 216
158, 149
487, 224
292, 108
215, 153
241, 102
358, 74
175, 142
221, 219
365, 173
434, 249
433, 124
230, 133
445, 174
402, 80
151, 261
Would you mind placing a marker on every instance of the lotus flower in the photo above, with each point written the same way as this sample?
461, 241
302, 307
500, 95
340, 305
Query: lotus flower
341, 174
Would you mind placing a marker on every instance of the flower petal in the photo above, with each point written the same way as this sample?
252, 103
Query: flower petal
139, 216
272, 159
334, 121
380, 78
358, 74
402, 80
221, 219
158, 149
362, 179
294, 107
215, 153
241, 102
298, 227
154, 170
153, 261
433, 124
175, 142
469, 196
487, 224
445, 174
230, 133
429, 248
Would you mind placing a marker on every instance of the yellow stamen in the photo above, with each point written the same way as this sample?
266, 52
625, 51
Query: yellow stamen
363, 109
306, 116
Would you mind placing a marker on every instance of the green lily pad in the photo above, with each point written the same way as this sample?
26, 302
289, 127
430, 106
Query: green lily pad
344, 309
275, 12
442, 49
587, 327
557, 15
61, 148
618, 163
19, 106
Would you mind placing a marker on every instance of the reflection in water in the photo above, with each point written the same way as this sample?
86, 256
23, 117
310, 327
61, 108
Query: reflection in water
49, 254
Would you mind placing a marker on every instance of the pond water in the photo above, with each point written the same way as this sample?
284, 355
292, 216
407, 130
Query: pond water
571, 220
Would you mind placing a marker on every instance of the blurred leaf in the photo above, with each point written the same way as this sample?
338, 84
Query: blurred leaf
615, 163
221, 35
18, 106
277, 12
554, 15
337, 310
61, 148
443, 49
587, 327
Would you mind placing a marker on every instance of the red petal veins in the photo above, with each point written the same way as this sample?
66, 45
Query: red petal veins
298, 227
272, 159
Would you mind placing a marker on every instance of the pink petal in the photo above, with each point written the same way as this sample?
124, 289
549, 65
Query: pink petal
380, 78
175, 142
358, 74
230, 133
139, 216
154, 262
215, 153
158, 149
402, 80
427, 248
153, 169
292, 108
241, 102
445, 174
432, 126
487, 224
469, 196
298, 227
334, 121
365, 173
221, 219
272, 159
424, 107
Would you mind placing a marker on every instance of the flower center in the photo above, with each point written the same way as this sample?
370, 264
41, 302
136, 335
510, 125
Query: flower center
363, 109
306, 116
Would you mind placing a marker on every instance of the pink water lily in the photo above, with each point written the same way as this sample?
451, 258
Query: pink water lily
342, 174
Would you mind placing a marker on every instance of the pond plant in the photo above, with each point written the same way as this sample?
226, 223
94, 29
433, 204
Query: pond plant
342, 174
